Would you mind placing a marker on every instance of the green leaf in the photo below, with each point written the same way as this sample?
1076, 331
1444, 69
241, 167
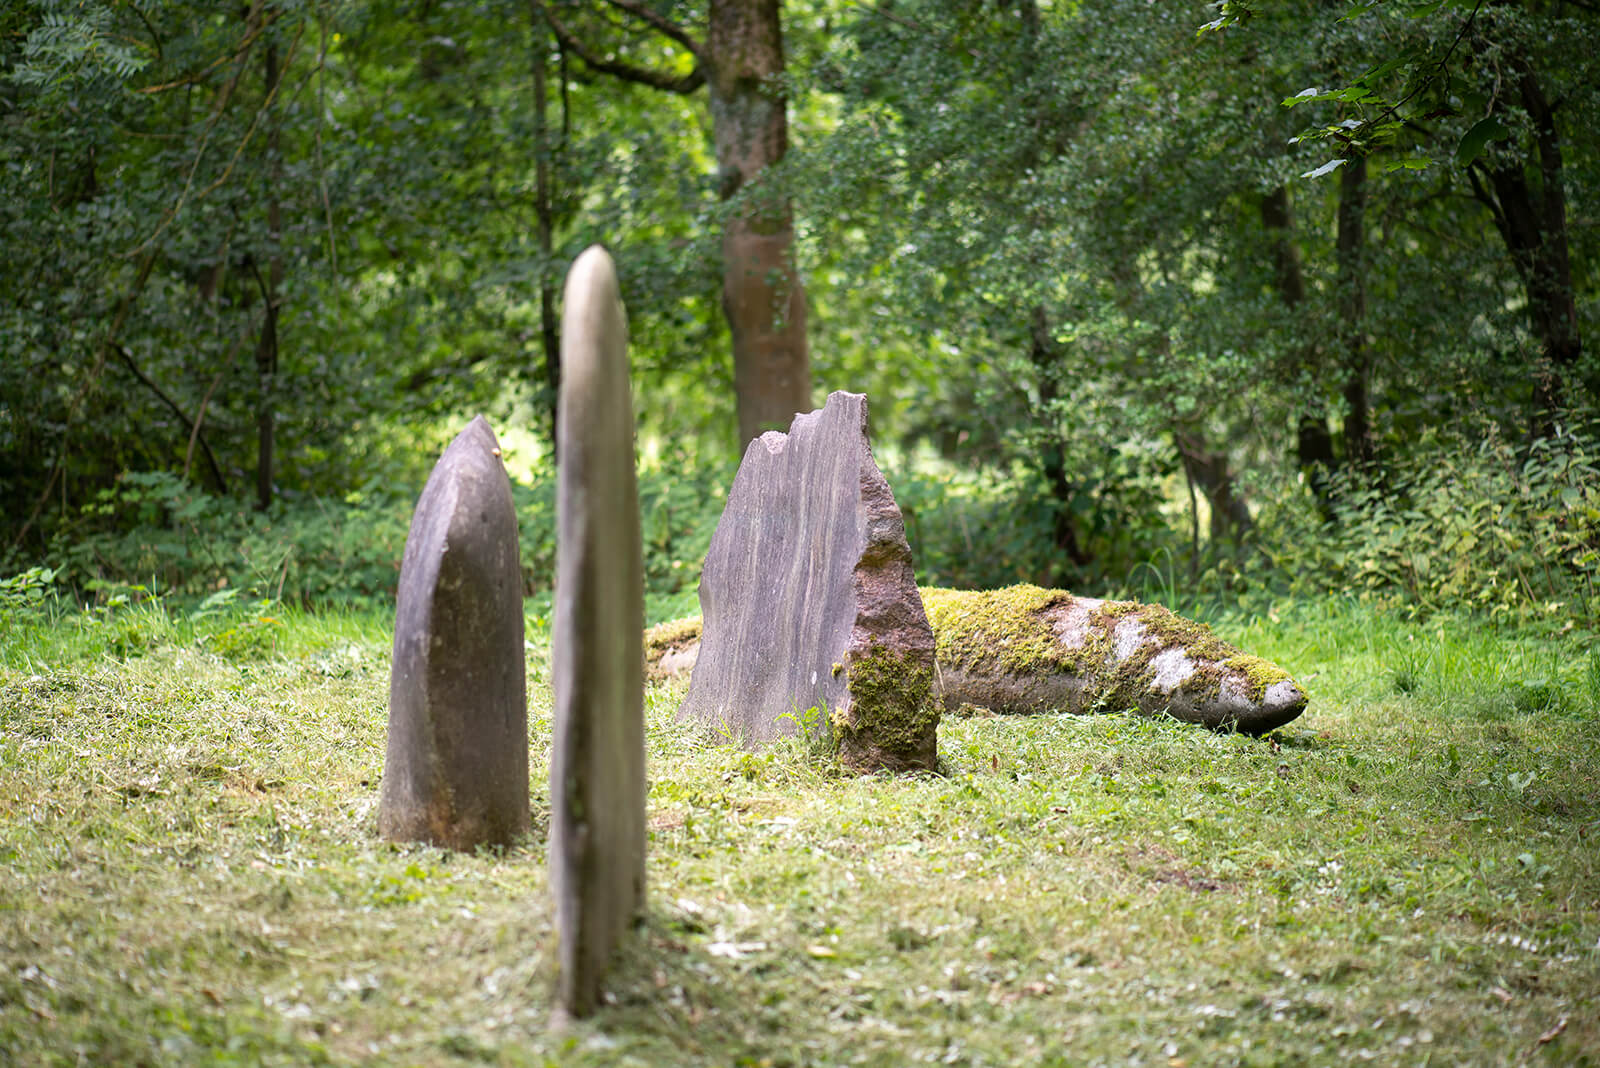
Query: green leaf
1327, 168
1475, 139
1410, 163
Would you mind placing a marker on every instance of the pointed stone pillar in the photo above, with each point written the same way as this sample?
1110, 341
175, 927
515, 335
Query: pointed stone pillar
597, 778
456, 770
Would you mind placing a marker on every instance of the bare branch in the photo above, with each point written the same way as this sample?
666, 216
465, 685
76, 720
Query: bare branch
192, 78
172, 406
664, 25
686, 84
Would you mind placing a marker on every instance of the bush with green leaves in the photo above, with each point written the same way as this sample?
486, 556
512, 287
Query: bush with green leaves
1485, 525
157, 534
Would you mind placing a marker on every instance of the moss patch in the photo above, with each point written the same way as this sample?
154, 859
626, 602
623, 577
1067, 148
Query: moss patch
1263, 674
673, 634
664, 638
1167, 630
892, 719
974, 629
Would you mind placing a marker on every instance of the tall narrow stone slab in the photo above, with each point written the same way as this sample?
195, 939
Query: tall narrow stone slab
597, 784
808, 601
456, 770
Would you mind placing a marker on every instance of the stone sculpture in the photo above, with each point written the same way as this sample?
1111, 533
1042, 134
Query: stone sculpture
809, 604
597, 773
456, 769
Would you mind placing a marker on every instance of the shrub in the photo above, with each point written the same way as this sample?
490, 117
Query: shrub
1456, 524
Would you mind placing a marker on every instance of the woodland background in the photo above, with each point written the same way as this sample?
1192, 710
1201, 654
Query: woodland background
1127, 320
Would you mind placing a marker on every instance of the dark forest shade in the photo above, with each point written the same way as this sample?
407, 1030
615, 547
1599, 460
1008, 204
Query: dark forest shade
456, 772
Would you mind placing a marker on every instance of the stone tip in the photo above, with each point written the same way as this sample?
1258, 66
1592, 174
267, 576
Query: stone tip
476, 441
596, 271
1283, 702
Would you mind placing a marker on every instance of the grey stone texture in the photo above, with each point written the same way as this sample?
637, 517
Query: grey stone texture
1023, 649
456, 770
597, 769
808, 601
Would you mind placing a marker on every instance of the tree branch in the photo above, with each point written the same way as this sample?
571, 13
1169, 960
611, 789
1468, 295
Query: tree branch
211, 126
172, 406
686, 84
663, 25
249, 38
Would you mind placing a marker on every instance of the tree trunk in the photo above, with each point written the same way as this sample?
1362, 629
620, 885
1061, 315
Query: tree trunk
1313, 442
1052, 459
1533, 224
267, 345
544, 211
1358, 449
762, 295
1230, 514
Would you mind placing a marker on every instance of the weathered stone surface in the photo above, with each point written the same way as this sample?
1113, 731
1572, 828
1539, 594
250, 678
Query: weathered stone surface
456, 770
597, 777
671, 648
808, 601
1025, 649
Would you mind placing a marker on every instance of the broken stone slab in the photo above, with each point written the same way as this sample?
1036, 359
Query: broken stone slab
455, 773
1027, 650
809, 602
597, 765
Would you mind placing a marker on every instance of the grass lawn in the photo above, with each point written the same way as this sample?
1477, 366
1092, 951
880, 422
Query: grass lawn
1408, 874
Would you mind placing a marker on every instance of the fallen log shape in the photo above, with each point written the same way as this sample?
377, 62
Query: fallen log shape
1023, 649
1027, 650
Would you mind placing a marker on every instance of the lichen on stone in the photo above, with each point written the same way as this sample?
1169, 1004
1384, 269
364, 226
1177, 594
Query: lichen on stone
1263, 674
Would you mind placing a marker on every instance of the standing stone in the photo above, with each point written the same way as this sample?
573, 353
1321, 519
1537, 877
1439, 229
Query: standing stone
456, 771
808, 601
597, 782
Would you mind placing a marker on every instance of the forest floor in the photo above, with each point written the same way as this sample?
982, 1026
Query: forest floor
189, 870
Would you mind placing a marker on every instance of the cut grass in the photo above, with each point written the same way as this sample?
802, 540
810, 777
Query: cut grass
191, 872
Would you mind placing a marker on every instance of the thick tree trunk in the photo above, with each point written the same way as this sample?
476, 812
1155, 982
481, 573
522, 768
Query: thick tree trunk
762, 295
1358, 448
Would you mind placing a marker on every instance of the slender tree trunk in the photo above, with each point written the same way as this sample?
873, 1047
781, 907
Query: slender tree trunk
1230, 514
1052, 459
1358, 448
1313, 442
1533, 223
762, 295
544, 210
267, 345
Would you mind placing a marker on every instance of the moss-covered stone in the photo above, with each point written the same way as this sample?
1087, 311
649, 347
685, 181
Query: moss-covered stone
999, 627
892, 718
1027, 649
670, 637
1263, 674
